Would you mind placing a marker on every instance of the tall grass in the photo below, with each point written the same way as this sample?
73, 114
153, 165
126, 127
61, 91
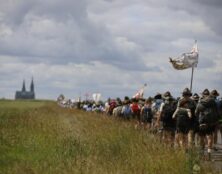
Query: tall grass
39, 137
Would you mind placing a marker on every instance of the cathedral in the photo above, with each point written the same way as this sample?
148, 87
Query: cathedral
23, 94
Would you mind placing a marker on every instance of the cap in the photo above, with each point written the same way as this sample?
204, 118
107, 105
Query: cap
186, 92
214, 93
205, 92
167, 94
158, 96
196, 96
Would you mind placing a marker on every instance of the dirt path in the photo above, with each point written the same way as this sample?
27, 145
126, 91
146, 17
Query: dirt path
216, 158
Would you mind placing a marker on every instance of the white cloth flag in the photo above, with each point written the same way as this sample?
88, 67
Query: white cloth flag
140, 93
186, 60
96, 96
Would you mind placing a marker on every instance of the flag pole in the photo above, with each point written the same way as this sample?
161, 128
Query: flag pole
191, 81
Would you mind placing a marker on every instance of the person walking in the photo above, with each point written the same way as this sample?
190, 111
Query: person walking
183, 114
215, 95
167, 110
135, 109
146, 114
207, 114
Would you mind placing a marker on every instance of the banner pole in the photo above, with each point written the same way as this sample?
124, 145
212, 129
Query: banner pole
191, 82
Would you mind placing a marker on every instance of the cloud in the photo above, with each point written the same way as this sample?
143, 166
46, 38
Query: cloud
110, 46
63, 36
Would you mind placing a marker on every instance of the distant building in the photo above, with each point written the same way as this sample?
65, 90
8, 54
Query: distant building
23, 94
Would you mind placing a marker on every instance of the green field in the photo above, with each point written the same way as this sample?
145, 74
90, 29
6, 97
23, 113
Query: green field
40, 137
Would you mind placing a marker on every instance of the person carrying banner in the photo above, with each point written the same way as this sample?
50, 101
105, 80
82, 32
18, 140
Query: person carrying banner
194, 122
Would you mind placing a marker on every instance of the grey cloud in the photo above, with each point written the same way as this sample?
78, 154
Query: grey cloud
206, 63
135, 38
208, 11
214, 3
16, 11
74, 37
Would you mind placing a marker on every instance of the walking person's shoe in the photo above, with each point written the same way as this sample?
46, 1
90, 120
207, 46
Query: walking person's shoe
208, 158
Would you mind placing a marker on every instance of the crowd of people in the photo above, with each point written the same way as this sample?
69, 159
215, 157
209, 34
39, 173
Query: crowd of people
188, 121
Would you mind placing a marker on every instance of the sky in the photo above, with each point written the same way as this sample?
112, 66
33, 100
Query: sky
111, 47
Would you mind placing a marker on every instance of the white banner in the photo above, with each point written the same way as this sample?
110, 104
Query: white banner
140, 93
96, 97
186, 60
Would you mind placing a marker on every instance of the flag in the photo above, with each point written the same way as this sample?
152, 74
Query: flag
140, 92
186, 60
96, 97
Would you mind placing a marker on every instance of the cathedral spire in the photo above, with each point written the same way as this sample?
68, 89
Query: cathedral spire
32, 86
23, 86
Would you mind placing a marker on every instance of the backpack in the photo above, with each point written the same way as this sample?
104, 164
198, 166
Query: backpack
208, 111
168, 110
219, 106
220, 110
135, 108
112, 106
147, 113
182, 118
126, 111
157, 104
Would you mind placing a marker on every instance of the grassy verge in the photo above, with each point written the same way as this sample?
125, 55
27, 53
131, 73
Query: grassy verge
39, 137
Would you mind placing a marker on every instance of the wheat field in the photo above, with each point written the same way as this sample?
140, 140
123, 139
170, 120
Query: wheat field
38, 137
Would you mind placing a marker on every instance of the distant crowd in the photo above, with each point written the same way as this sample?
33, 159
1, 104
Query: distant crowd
188, 121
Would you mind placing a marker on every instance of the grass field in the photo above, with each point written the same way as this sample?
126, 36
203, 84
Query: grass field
39, 137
